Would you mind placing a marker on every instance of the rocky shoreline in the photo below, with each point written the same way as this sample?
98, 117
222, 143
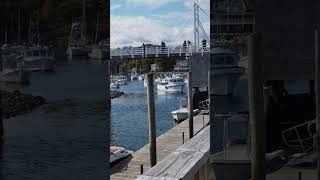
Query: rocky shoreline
116, 94
15, 103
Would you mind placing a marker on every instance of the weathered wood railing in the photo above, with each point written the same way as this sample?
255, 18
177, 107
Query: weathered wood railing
189, 161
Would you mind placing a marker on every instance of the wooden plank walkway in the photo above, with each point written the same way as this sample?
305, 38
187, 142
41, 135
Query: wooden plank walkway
166, 144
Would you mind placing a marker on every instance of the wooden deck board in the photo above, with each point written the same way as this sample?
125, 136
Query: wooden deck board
166, 144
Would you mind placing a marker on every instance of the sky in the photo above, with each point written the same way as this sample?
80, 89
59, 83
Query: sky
134, 22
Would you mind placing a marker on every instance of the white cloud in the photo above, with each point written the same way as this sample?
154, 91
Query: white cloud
152, 4
116, 6
133, 31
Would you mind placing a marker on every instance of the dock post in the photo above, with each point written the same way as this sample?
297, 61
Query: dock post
190, 105
256, 108
152, 122
1, 128
317, 92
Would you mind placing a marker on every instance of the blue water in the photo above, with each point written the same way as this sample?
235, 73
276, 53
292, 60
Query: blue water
66, 138
129, 118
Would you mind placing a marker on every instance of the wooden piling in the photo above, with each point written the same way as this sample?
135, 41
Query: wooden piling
317, 92
152, 122
190, 105
256, 106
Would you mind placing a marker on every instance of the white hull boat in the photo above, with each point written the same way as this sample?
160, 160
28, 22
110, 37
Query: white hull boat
38, 59
171, 84
77, 51
182, 114
15, 76
98, 53
114, 86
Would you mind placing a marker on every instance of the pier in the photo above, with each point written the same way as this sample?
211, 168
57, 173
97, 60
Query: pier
166, 144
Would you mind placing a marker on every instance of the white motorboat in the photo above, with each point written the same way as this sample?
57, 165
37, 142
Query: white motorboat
171, 84
12, 70
17, 75
77, 40
118, 154
141, 77
114, 85
38, 59
99, 51
134, 74
226, 71
122, 80
182, 114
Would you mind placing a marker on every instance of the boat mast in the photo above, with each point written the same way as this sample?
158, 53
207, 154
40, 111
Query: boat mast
97, 27
19, 28
83, 27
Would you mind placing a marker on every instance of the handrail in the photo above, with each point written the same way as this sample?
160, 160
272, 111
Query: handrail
299, 141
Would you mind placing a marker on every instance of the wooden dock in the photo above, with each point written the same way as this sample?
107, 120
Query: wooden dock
166, 144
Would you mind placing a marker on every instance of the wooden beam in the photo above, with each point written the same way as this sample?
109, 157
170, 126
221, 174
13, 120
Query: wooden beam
152, 122
317, 92
190, 104
256, 108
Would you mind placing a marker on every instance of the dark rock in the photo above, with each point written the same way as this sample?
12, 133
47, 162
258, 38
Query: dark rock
16, 103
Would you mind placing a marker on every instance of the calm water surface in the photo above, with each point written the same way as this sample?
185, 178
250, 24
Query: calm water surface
66, 139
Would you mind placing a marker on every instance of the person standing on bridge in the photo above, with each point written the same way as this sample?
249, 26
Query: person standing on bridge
163, 46
204, 44
144, 50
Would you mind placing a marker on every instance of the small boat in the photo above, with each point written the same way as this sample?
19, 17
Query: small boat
12, 70
171, 84
122, 80
114, 85
118, 154
16, 75
141, 77
134, 74
38, 59
182, 114
99, 51
77, 40
145, 82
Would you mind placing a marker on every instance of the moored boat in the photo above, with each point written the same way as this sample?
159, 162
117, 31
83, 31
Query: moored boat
118, 154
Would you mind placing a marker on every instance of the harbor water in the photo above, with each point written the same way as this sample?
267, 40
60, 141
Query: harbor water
66, 138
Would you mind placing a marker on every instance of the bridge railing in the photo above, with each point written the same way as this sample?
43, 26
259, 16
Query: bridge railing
155, 51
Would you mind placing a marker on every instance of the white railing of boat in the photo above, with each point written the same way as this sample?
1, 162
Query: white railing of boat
302, 139
189, 161
157, 51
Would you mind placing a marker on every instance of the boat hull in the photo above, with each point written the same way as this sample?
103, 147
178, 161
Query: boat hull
98, 54
77, 51
15, 76
39, 64
170, 88
232, 170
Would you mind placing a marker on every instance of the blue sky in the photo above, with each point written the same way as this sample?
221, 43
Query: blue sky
134, 22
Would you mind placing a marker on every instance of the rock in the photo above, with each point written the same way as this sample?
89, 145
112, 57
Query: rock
116, 94
16, 103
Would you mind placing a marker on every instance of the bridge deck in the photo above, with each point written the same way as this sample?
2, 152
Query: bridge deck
166, 144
